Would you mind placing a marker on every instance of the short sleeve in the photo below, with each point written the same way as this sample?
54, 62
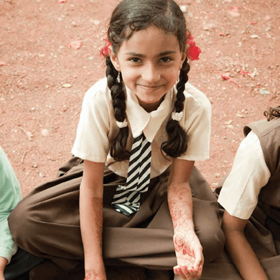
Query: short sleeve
197, 124
249, 173
92, 141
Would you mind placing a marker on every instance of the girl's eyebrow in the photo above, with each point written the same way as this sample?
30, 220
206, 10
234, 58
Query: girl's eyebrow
141, 55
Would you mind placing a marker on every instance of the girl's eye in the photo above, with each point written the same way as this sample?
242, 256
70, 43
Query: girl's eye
135, 59
165, 59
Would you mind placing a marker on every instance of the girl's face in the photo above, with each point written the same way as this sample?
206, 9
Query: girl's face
150, 62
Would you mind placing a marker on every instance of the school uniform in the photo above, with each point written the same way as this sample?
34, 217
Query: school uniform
51, 211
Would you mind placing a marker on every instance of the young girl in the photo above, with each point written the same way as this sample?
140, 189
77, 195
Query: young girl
253, 185
141, 129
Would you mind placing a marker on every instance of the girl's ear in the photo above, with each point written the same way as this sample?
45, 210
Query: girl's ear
114, 60
183, 58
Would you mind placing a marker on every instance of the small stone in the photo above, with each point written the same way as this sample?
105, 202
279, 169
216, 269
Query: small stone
67, 85
183, 9
45, 132
264, 91
255, 36
229, 122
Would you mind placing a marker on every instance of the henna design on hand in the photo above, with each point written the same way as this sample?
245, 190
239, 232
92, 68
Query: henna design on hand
182, 242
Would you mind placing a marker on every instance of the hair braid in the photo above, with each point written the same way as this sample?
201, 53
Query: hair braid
176, 144
118, 145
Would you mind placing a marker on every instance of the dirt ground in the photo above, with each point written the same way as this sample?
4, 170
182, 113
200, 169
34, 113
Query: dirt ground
49, 57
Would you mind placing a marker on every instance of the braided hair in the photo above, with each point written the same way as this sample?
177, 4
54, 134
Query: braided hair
131, 16
272, 113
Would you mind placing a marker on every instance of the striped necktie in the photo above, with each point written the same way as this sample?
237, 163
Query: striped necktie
127, 198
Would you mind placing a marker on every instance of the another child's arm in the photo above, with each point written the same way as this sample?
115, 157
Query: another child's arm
10, 195
3, 263
240, 250
239, 197
187, 245
91, 215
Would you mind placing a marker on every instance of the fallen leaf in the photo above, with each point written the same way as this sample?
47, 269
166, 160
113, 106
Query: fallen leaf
225, 76
223, 34
75, 45
243, 72
2, 63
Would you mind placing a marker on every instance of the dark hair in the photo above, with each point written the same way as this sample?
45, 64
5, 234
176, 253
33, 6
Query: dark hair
272, 113
131, 16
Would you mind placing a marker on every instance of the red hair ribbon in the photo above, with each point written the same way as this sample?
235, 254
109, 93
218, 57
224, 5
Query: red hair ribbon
193, 49
105, 50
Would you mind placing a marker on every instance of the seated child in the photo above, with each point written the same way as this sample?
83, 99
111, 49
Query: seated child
14, 262
253, 185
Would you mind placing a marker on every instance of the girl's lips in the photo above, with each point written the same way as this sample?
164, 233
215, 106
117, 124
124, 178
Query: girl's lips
150, 86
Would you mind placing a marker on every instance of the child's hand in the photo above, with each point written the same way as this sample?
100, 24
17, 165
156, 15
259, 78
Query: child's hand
189, 255
93, 275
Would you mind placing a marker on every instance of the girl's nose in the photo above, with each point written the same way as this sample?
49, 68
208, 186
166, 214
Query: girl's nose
150, 73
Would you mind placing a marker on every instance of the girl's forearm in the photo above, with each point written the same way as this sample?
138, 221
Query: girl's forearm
243, 256
181, 207
91, 215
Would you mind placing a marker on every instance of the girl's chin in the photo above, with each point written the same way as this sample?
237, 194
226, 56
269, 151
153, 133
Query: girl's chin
150, 105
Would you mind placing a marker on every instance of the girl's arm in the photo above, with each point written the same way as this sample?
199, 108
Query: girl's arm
91, 216
187, 246
240, 250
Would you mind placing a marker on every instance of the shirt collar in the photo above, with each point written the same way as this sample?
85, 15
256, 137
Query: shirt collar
142, 121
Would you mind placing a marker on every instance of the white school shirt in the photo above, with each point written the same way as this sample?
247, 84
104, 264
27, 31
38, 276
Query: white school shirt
249, 173
97, 126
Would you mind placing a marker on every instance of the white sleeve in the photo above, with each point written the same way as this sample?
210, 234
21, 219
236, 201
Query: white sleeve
249, 173
92, 141
197, 124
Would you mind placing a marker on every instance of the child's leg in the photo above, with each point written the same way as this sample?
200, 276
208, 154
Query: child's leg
20, 265
206, 217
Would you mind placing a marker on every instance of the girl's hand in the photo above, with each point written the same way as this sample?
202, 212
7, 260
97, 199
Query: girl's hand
93, 275
189, 255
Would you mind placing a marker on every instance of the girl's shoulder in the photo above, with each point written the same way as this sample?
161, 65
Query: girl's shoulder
98, 93
191, 92
98, 89
196, 102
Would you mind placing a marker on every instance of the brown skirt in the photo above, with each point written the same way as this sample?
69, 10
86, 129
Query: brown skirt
46, 222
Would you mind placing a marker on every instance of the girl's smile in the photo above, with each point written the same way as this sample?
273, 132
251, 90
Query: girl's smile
150, 62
